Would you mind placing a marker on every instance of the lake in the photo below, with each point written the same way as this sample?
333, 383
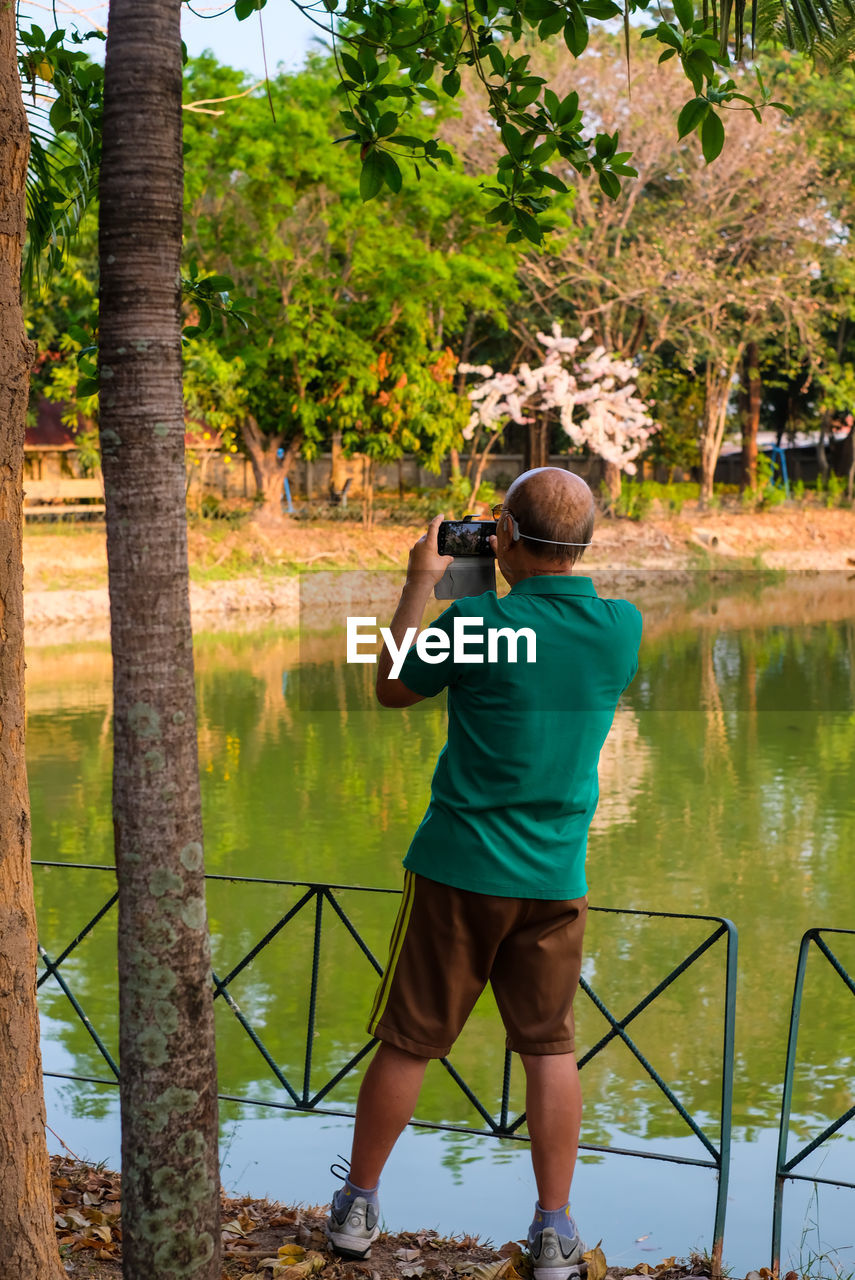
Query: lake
726, 790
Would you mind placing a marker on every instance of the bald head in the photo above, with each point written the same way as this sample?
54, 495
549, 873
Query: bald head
556, 506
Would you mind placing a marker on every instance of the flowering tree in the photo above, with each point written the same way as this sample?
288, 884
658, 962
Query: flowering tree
594, 396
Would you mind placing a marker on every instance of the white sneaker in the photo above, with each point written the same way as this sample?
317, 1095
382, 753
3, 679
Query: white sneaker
557, 1257
351, 1227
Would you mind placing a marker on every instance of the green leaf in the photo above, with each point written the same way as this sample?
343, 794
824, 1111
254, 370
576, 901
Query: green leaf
549, 180
391, 173
691, 116
684, 13
512, 139
568, 109
245, 8
499, 213
451, 83
371, 177
601, 9
551, 25
352, 67
552, 102
668, 53
576, 32
526, 95
667, 34
712, 136
529, 226
368, 61
610, 184
497, 59
387, 124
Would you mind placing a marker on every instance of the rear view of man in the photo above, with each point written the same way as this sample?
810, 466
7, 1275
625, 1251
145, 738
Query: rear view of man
495, 887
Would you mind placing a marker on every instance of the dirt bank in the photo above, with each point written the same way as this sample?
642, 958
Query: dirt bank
272, 1240
239, 573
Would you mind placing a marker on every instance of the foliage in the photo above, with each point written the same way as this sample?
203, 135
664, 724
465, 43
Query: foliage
354, 305
64, 94
388, 54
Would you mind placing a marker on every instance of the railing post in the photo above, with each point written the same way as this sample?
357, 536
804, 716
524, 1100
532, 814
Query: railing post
787, 1099
726, 1099
313, 995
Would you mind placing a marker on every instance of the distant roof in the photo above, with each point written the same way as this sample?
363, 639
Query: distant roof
49, 432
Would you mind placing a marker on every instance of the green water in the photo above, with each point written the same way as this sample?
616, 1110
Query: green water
726, 789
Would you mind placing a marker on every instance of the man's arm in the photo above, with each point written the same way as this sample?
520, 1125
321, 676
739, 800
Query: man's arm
425, 568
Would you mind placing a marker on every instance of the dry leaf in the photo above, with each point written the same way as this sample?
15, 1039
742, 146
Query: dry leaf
491, 1270
287, 1269
596, 1260
294, 1252
408, 1255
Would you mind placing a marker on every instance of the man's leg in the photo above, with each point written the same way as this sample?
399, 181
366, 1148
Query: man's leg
553, 1104
387, 1100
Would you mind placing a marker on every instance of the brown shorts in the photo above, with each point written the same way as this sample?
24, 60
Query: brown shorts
447, 944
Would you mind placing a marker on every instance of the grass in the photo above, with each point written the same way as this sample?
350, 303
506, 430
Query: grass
816, 1262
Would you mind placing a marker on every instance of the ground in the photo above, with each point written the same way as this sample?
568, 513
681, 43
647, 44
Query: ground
273, 1241
255, 567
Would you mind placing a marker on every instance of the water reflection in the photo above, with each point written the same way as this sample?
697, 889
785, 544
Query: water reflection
726, 789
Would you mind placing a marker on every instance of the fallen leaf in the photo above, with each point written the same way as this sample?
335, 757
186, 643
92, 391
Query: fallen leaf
596, 1260
510, 1248
491, 1270
287, 1269
408, 1255
412, 1270
295, 1252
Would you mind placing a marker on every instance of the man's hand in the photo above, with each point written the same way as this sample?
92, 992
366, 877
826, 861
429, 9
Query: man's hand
424, 570
426, 565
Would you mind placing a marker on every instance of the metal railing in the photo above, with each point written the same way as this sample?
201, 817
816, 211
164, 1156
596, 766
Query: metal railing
785, 1169
308, 1094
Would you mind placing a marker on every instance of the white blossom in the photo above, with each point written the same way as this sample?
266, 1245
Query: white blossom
594, 394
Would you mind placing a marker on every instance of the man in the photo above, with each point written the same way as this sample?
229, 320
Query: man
495, 874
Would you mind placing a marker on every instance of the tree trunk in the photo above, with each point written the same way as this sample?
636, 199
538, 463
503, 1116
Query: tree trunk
537, 443
268, 467
751, 421
27, 1238
170, 1175
611, 480
718, 382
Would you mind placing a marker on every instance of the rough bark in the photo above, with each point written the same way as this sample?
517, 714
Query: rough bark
537, 443
753, 389
27, 1238
268, 468
170, 1176
611, 480
718, 382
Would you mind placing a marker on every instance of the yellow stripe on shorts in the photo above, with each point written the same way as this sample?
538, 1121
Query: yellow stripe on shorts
395, 944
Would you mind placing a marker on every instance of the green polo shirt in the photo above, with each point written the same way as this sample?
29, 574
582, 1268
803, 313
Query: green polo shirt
515, 786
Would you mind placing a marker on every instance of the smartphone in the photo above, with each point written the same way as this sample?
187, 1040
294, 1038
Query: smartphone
465, 537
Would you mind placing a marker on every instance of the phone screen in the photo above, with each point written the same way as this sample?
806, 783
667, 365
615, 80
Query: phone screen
465, 537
